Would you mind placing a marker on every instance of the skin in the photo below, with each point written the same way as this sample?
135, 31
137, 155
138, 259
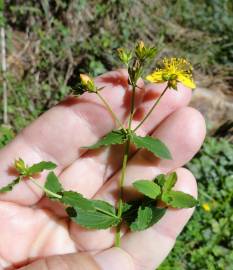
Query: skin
36, 234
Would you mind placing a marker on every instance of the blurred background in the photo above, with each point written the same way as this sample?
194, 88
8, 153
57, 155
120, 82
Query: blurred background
46, 44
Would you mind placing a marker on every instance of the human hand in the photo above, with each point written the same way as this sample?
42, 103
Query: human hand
34, 228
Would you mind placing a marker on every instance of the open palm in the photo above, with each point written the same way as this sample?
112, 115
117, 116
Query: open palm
32, 228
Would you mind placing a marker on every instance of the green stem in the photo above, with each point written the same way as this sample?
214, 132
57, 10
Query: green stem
123, 171
45, 189
132, 104
110, 110
151, 109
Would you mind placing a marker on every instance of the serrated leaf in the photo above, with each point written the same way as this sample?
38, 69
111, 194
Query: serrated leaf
10, 186
102, 216
98, 215
148, 188
144, 217
130, 215
104, 207
179, 199
157, 214
126, 207
77, 201
157, 147
41, 166
114, 137
95, 220
53, 184
130, 210
170, 181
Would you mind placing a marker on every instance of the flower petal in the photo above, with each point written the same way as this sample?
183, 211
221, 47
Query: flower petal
186, 81
155, 77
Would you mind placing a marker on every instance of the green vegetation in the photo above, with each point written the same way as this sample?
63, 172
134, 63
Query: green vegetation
6, 135
207, 241
50, 42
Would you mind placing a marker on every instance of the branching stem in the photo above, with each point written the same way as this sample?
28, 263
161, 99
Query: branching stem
123, 170
151, 109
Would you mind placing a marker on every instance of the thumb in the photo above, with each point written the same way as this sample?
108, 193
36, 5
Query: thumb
114, 259
79, 261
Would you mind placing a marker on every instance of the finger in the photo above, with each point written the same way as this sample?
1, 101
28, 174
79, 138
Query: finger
80, 261
147, 255
33, 233
113, 259
101, 164
183, 146
59, 134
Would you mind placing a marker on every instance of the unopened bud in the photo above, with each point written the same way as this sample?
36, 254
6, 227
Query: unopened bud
124, 56
87, 83
20, 166
141, 45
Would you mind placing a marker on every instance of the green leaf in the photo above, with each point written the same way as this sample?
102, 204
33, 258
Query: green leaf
53, 184
114, 137
77, 201
133, 216
160, 179
104, 207
148, 188
170, 182
126, 207
157, 147
102, 216
179, 199
10, 186
130, 210
143, 219
41, 166
157, 214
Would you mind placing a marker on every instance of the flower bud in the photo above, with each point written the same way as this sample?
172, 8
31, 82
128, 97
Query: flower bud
124, 56
141, 46
144, 52
87, 83
20, 166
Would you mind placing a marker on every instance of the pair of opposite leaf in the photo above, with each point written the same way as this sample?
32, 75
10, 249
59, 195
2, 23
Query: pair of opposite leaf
157, 147
96, 214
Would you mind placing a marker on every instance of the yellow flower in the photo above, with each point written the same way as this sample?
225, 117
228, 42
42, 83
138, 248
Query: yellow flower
174, 70
206, 207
